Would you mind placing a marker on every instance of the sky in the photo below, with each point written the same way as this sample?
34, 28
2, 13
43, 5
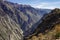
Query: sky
45, 4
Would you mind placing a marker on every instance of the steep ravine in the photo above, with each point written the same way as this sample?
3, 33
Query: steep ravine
49, 28
17, 20
24, 15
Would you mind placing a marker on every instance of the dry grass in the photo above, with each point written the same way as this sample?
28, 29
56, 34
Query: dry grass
51, 35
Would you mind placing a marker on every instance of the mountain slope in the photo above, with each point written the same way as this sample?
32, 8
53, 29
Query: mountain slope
9, 29
49, 28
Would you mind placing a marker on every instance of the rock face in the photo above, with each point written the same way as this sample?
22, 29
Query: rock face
9, 29
49, 28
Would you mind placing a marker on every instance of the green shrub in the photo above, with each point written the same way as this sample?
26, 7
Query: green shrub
57, 35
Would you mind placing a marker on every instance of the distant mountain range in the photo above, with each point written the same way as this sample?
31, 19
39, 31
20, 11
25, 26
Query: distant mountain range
25, 16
